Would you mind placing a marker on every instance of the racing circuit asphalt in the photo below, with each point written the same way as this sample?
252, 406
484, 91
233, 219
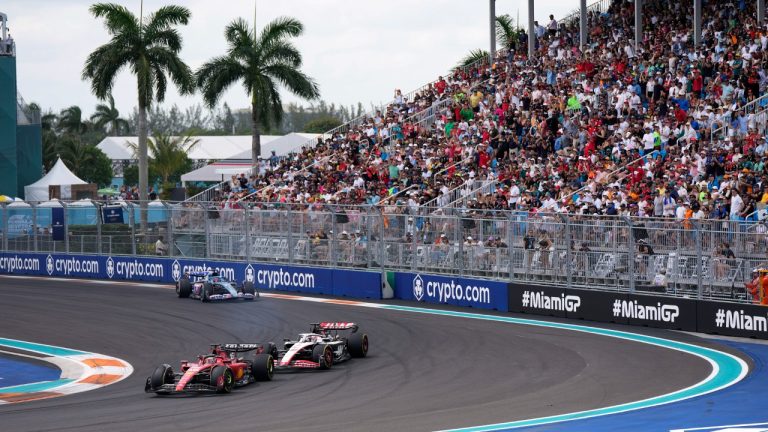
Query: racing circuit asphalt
424, 372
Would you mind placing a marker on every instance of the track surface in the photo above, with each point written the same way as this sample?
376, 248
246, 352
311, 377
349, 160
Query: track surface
423, 372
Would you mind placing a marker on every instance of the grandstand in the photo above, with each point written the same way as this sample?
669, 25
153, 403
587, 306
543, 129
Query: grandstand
602, 154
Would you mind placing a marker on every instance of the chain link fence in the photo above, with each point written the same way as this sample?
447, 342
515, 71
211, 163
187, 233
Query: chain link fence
693, 258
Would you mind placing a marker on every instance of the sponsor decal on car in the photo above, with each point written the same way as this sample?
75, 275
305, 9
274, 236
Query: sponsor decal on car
634, 309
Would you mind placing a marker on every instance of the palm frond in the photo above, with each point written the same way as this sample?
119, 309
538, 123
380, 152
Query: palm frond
166, 17
505, 31
118, 19
280, 28
294, 80
476, 56
215, 76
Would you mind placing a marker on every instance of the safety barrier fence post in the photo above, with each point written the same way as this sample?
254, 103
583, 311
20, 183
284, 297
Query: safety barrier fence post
34, 227
66, 228
631, 254
699, 258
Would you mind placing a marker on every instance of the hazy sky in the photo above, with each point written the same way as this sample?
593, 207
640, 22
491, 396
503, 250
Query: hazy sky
356, 50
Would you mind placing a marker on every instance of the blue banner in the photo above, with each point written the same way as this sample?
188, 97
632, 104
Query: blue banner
456, 291
57, 224
112, 214
348, 283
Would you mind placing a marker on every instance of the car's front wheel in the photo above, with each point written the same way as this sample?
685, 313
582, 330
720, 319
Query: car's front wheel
206, 292
250, 288
162, 375
222, 379
357, 345
263, 367
323, 355
183, 287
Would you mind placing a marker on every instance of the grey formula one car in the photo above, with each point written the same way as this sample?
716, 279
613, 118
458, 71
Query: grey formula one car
209, 286
322, 347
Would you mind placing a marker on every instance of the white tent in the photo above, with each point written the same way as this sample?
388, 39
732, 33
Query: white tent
241, 162
59, 175
208, 148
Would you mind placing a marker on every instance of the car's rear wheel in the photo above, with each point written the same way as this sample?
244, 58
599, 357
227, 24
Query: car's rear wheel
357, 345
263, 367
206, 292
162, 375
184, 287
250, 288
222, 379
323, 355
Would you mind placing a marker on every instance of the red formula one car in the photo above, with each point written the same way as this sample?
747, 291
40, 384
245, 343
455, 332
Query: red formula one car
219, 372
322, 347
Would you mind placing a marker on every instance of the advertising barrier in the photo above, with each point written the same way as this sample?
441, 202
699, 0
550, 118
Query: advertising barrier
456, 291
733, 319
348, 283
706, 316
639, 309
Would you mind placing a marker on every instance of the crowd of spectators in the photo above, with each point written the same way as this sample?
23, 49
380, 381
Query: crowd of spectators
613, 130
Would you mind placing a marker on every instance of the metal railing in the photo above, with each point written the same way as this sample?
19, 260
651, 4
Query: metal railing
757, 107
599, 6
701, 259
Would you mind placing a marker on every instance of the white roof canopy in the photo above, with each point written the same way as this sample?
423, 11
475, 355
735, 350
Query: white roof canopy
59, 175
209, 147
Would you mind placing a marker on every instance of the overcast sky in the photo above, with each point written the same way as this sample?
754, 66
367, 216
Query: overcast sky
356, 50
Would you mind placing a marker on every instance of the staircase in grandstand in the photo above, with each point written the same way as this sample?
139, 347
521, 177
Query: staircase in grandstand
757, 108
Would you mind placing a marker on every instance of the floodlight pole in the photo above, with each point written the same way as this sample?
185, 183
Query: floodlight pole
697, 22
492, 16
531, 31
583, 24
638, 24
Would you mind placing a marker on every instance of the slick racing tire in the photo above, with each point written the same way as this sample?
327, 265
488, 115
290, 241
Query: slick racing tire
184, 287
162, 375
206, 292
250, 288
323, 355
357, 345
222, 379
263, 367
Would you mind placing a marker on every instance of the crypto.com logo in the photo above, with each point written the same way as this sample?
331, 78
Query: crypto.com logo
176, 270
418, 288
110, 267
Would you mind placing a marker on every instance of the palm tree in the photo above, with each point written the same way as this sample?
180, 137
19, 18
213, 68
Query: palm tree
506, 32
74, 153
261, 63
474, 56
169, 154
49, 121
109, 115
150, 50
71, 120
506, 36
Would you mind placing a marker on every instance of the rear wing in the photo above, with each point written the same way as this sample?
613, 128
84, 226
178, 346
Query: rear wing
238, 347
199, 273
324, 326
